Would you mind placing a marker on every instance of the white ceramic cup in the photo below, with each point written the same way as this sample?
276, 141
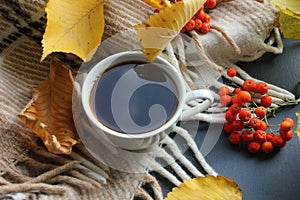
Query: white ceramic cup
142, 140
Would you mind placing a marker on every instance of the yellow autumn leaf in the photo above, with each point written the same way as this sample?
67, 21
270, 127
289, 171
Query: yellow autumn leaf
158, 4
203, 188
73, 27
298, 127
161, 28
49, 113
289, 17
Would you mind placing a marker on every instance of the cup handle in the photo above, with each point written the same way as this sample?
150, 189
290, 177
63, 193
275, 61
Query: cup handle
197, 94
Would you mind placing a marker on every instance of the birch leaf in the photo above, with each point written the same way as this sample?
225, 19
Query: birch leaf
161, 28
49, 113
289, 17
208, 187
158, 4
298, 127
73, 27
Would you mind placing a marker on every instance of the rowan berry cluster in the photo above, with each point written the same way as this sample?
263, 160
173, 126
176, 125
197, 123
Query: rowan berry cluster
246, 117
200, 21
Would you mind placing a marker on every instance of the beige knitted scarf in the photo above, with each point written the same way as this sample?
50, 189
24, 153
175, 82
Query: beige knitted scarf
28, 171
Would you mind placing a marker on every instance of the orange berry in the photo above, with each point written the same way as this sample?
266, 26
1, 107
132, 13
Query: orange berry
205, 28
237, 90
263, 126
260, 136
278, 141
249, 85
253, 147
267, 147
286, 135
269, 136
200, 14
225, 100
236, 100
235, 137
261, 111
244, 96
290, 120
229, 116
262, 88
286, 126
245, 115
266, 101
228, 128
210, 3
224, 90
237, 125
255, 123
235, 108
198, 24
206, 18
190, 25
247, 135
231, 72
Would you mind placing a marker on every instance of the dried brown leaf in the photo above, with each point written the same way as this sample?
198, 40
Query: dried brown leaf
49, 113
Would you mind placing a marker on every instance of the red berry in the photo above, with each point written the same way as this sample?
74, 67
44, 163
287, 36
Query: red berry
245, 115
235, 100
235, 137
267, 147
286, 126
237, 90
278, 141
255, 123
249, 85
247, 135
266, 101
200, 14
261, 111
231, 72
269, 136
290, 120
263, 126
229, 116
286, 135
190, 25
206, 18
235, 108
253, 147
210, 3
262, 88
260, 136
205, 28
244, 96
237, 125
198, 24
228, 128
225, 100
224, 90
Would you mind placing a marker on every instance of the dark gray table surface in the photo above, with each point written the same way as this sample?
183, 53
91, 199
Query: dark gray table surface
261, 177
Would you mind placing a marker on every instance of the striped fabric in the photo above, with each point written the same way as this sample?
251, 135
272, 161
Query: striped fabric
21, 27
